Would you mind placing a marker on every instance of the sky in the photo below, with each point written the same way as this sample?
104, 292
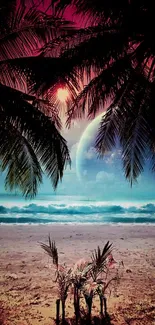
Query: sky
94, 178
100, 178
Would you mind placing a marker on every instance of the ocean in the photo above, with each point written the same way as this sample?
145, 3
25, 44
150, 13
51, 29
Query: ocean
48, 209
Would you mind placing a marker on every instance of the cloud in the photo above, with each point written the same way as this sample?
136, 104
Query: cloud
90, 154
105, 177
113, 156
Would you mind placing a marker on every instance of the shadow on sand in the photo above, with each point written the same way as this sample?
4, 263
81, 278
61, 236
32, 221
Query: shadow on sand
95, 320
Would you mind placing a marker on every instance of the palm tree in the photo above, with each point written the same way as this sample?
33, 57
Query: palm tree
80, 276
114, 55
63, 278
30, 140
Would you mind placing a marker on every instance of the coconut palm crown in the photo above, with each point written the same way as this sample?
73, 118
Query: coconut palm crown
114, 57
30, 139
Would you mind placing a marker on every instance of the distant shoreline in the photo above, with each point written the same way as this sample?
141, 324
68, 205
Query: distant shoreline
111, 224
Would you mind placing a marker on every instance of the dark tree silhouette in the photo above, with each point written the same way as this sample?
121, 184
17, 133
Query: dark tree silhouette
115, 57
120, 51
30, 140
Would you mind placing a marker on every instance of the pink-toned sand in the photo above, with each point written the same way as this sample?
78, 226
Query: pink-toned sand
28, 294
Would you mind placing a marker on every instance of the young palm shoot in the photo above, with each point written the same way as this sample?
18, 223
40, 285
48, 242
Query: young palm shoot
79, 277
99, 263
103, 286
63, 278
64, 282
88, 295
99, 259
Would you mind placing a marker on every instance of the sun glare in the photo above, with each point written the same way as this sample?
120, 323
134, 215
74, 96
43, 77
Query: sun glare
62, 94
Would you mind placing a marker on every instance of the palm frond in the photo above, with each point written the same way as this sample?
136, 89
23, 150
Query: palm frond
73, 38
99, 256
29, 29
90, 54
111, 124
18, 159
86, 8
46, 107
46, 73
51, 250
134, 148
6, 8
95, 11
10, 77
99, 259
108, 86
85, 57
134, 132
40, 131
128, 122
149, 114
108, 131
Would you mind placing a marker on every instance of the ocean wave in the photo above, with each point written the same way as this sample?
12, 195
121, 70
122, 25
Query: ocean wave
78, 209
76, 219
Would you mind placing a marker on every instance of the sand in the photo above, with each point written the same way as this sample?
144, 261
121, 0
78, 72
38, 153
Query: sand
28, 294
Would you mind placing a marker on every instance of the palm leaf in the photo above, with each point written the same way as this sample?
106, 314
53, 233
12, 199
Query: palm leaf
134, 131
151, 128
99, 259
18, 158
46, 73
99, 256
108, 86
128, 122
28, 30
40, 131
89, 54
95, 11
85, 57
46, 107
135, 142
73, 38
51, 250
108, 131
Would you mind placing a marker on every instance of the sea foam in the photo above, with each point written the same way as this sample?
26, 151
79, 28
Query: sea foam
81, 212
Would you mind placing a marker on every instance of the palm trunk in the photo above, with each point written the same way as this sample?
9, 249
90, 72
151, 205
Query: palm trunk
105, 306
63, 311
57, 311
88, 300
76, 304
89, 308
101, 305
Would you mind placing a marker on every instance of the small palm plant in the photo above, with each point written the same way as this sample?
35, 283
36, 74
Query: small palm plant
99, 259
103, 285
80, 275
64, 282
89, 293
86, 278
99, 262
63, 278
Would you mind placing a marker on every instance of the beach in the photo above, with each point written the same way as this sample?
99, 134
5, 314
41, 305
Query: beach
28, 292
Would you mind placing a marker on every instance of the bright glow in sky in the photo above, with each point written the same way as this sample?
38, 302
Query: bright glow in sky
62, 94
